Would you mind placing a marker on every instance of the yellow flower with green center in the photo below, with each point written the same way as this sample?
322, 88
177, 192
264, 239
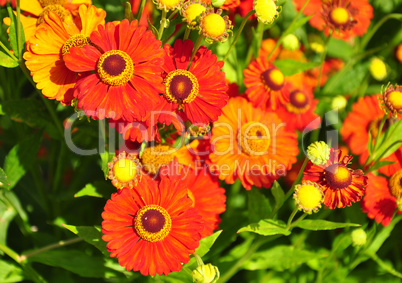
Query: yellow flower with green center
308, 196
318, 152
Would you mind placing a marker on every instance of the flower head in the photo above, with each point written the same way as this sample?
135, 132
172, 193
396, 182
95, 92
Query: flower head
125, 81
168, 4
391, 99
252, 145
266, 11
214, 27
206, 273
341, 185
124, 170
378, 69
152, 227
192, 11
318, 152
308, 196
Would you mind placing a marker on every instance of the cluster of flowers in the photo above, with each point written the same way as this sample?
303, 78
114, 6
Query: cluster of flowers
155, 95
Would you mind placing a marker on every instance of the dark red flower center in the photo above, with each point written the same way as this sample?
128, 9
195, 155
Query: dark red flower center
181, 86
114, 64
338, 176
153, 221
273, 79
298, 99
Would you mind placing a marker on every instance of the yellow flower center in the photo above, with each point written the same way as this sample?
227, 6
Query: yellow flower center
77, 40
298, 102
154, 157
181, 85
254, 138
192, 12
45, 3
395, 99
273, 79
64, 14
169, 4
152, 223
214, 25
308, 196
125, 170
339, 16
395, 184
115, 67
338, 176
265, 10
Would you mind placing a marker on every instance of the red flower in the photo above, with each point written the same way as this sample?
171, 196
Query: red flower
152, 228
200, 91
379, 203
346, 18
341, 185
126, 65
265, 84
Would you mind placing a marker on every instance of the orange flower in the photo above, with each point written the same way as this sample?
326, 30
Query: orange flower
299, 111
200, 91
126, 65
266, 85
341, 185
346, 18
252, 145
152, 227
379, 203
365, 118
47, 48
38, 9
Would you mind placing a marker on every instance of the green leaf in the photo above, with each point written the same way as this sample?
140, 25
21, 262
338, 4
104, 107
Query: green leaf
339, 49
98, 189
278, 194
7, 214
206, 243
290, 67
387, 266
3, 179
31, 112
153, 29
382, 236
106, 157
77, 262
91, 235
389, 142
13, 33
21, 157
280, 258
10, 272
297, 25
266, 227
316, 225
380, 164
7, 61
128, 13
258, 206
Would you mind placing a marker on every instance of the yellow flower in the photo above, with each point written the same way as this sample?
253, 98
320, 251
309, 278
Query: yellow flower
378, 69
318, 152
308, 196
266, 11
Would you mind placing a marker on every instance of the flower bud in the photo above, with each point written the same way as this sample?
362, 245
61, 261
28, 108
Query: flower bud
206, 273
378, 69
291, 42
359, 237
318, 152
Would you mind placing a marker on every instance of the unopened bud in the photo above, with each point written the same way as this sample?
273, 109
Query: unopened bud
206, 273
359, 237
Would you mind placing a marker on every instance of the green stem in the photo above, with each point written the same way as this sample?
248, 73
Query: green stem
162, 26
198, 259
369, 159
45, 100
251, 250
297, 221
141, 9
51, 247
291, 217
287, 30
172, 14
10, 253
8, 52
239, 31
384, 265
186, 34
370, 34
195, 49
19, 41
322, 60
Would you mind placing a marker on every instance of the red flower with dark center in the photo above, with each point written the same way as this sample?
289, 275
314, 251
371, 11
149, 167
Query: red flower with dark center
266, 86
152, 227
126, 65
200, 91
341, 185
